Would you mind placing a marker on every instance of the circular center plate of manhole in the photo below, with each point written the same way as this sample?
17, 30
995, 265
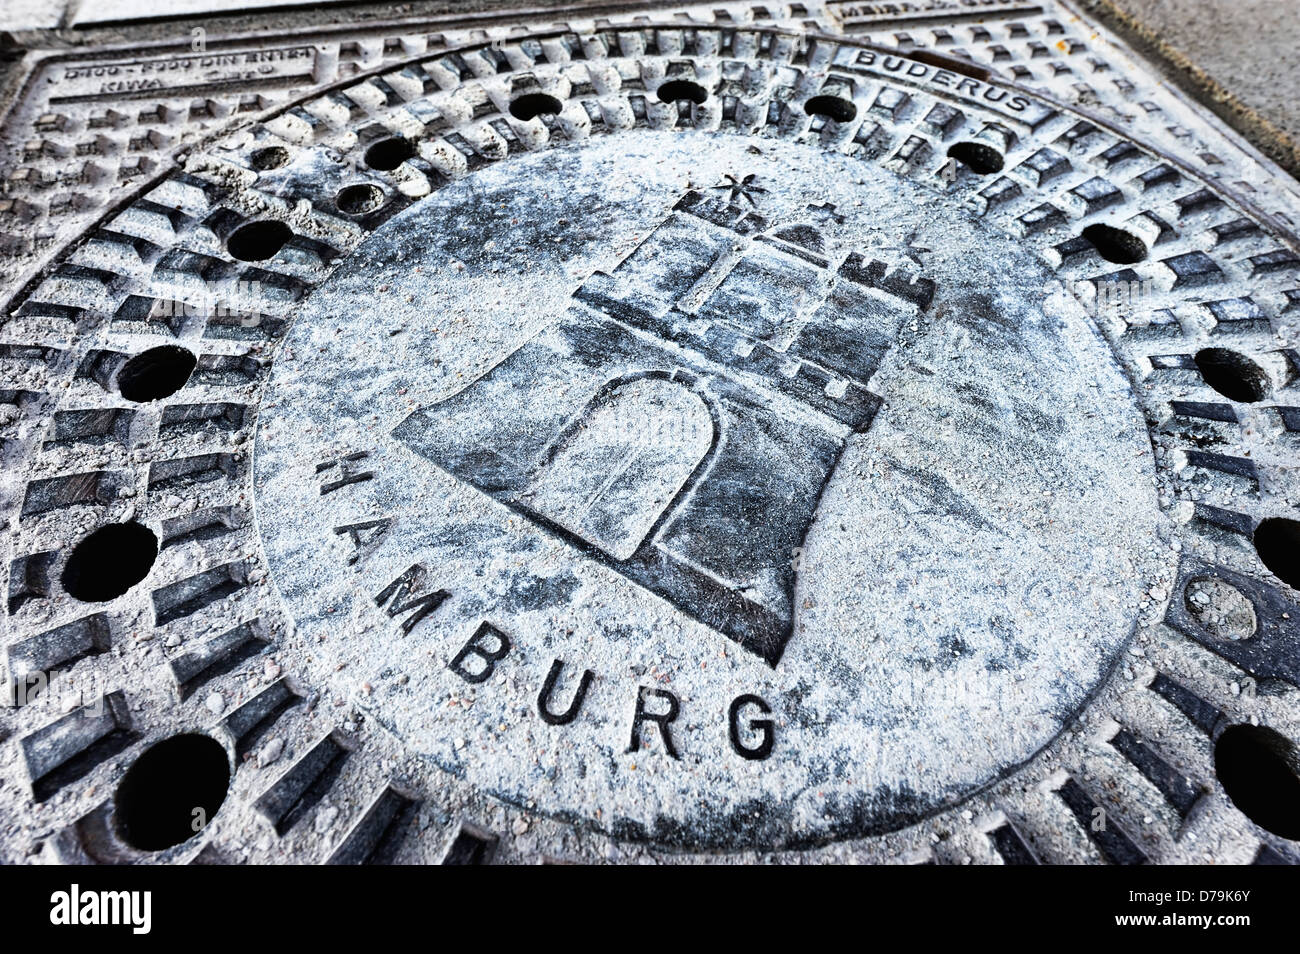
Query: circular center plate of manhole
716, 493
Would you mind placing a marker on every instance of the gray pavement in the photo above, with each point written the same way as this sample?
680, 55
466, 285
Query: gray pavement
1240, 57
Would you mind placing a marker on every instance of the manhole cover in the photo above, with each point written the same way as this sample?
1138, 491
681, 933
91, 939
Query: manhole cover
792, 460
685, 439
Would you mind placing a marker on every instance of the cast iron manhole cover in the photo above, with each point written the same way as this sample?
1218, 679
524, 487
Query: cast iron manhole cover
690, 437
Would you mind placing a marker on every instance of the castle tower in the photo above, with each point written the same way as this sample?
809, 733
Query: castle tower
680, 420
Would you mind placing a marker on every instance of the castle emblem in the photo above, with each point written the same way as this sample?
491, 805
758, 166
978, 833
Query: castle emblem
680, 420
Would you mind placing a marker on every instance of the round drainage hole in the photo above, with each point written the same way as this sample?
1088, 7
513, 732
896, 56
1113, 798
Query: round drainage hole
109, 561
1233, 375
832, 107
1260, 770
531, 105
386, 154
977, 157
1277, 541
1116, 245
258, 241
675, 90
157, 373
272, 157
172, 791
359, 199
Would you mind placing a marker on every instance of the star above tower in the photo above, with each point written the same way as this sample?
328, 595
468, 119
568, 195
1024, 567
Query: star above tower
746, 188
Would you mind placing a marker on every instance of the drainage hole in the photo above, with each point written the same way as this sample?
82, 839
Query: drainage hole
389, 153
1116, 245
977, 157
272, 157
157, 373
832, 107
1233, 375
531, 105
109, 561
258, 241
171, 791
675, 90
1260, 770
1277, 541
359, 199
